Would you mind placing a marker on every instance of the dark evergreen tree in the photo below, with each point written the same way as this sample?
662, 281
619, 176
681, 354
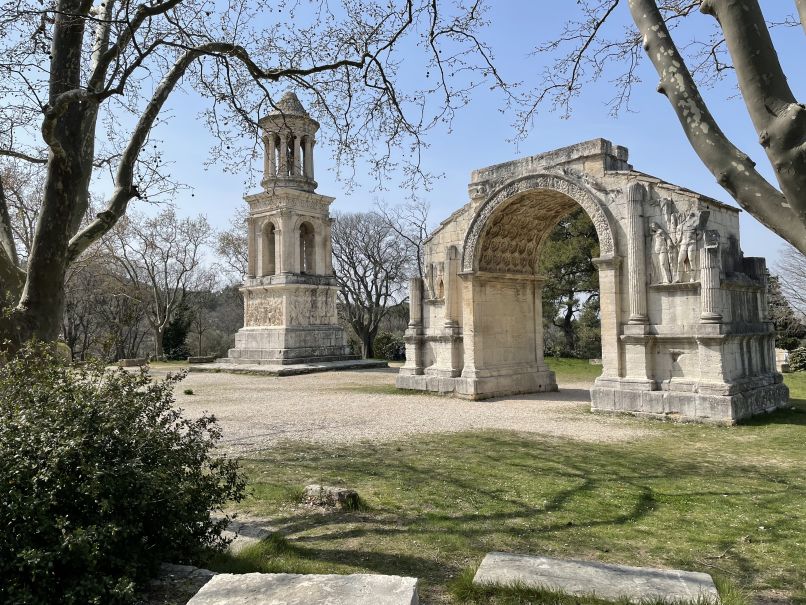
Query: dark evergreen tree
571, 277
174, 338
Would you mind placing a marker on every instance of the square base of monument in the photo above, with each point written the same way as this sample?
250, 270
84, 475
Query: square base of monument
695, 402
482, 387
228, 366
289, 345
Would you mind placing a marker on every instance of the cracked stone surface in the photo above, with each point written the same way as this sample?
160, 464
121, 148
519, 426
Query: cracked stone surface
297, 589
603, 580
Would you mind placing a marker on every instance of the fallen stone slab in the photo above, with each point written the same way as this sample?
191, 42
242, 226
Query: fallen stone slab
600, 579
133, 362
336, 497
298, 589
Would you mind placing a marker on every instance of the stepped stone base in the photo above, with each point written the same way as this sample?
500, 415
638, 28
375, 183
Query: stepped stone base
285, 346
297, 589
268, 369
696, 402
612, 582
481, 387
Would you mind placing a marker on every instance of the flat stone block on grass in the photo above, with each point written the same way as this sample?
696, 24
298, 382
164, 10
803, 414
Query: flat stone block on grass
600, 579
299, 589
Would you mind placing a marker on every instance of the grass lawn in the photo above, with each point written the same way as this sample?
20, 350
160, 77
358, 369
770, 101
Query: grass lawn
725, 500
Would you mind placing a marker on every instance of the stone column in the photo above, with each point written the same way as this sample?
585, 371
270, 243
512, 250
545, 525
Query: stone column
283, 154
290, 243
609, 311
636, 256
709, 279
449, 281
414, 332
250, 247
328, 266
309, 157
295, 156
538, 319
271, 149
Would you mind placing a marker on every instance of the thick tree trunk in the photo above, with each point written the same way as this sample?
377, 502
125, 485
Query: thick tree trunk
158, 348
568, 329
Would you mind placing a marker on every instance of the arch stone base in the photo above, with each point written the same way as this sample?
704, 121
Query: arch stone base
685, 331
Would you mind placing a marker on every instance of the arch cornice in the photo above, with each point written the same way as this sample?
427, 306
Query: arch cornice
561, 183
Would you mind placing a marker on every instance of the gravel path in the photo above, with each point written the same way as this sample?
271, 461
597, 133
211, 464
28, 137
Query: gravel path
257, 412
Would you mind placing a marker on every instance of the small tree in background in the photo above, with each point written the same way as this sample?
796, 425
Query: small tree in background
789, 328
371, 263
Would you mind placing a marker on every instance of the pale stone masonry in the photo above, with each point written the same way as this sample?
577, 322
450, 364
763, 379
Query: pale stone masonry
685, 331
289, 290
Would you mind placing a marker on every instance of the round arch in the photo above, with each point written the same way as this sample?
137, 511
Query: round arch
518, 188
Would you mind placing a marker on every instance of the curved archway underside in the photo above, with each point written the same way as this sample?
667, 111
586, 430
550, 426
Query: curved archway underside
540, 201
514, 234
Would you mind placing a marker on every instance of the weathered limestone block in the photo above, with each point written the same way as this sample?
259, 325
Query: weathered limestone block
337, 497
298, 589
584, 578
133, 362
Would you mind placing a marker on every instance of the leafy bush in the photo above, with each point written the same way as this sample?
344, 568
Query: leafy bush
390, 346
101, 479
797, 360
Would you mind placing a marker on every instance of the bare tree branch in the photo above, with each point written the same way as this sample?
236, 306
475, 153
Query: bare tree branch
733, 169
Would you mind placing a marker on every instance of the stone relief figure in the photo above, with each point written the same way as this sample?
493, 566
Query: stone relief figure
690, 228
434, 275
682, 234
660, 249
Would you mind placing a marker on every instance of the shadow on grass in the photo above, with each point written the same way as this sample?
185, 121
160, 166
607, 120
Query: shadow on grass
441, 502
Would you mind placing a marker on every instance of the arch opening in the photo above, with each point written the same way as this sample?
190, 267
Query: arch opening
268, 247
307, 250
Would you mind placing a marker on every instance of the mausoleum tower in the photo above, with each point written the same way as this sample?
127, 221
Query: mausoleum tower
289, 289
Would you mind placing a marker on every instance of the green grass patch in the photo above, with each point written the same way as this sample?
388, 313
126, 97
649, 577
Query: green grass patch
573, 370
729, 501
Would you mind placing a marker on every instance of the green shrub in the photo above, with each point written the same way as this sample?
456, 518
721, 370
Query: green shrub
101, 479
389, 346
797, 360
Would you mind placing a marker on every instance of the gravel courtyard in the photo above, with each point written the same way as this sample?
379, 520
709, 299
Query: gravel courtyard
257, 412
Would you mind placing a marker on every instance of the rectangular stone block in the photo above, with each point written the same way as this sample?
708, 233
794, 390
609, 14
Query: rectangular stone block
637, 584
299, 589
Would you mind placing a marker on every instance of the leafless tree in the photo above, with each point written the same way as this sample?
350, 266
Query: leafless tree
740, 46
371, 264
85, 83
231, 245
410, 222
161, 257
791, 269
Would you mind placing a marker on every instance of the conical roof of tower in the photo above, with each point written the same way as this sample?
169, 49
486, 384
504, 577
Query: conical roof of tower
289, 104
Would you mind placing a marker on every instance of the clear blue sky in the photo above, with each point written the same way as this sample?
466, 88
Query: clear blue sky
481, 132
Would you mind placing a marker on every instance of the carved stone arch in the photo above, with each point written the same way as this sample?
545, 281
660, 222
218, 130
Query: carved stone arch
577, 191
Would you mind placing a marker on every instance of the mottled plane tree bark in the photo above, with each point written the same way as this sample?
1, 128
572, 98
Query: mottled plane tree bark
84, 84
740, 44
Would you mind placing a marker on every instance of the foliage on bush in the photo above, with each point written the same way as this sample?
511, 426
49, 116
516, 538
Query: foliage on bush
101, 479
390, 346
797, 360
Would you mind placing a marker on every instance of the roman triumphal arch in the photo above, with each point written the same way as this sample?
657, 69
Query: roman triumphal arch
685, 330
